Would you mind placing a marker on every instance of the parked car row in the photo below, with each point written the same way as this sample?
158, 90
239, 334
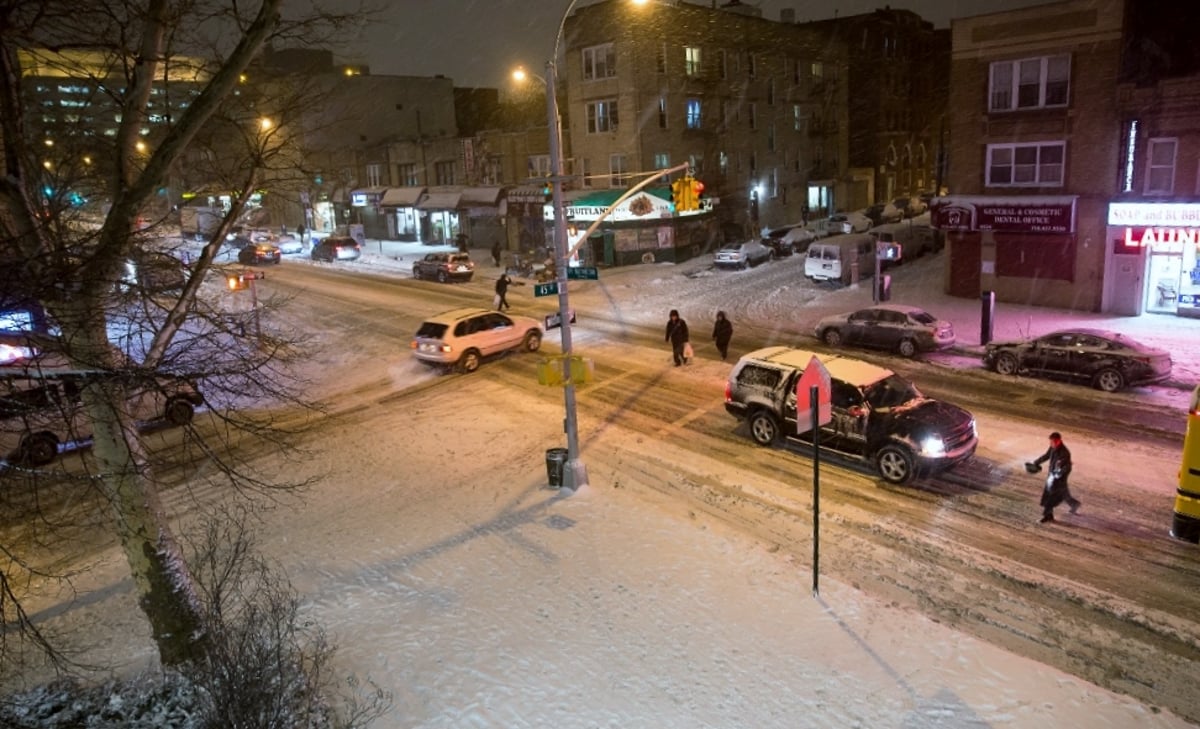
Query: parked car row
1106, 360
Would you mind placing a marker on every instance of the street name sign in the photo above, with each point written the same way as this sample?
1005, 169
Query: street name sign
587, 273
545, 289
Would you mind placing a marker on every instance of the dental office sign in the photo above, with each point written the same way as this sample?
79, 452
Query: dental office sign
1162, 227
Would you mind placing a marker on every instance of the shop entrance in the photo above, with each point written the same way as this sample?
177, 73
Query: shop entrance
1164, 271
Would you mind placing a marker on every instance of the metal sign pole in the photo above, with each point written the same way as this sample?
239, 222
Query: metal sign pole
813, 397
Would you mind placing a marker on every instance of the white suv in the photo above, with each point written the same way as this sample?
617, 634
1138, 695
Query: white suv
461, 338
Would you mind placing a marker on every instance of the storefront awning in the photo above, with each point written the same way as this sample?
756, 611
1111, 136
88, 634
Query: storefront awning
480, 196
445, 200
401, 197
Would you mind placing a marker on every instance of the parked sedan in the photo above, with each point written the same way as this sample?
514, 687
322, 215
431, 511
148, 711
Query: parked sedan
1107, 360
337, 249
741, 255
259, 253
444, 267
902, 329
781, 247
848, 223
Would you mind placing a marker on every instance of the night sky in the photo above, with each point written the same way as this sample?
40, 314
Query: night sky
478, 42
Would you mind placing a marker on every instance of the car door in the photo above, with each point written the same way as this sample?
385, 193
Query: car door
846, 431
1052, 355
501, 332
890, 328
1087, 356
860, 327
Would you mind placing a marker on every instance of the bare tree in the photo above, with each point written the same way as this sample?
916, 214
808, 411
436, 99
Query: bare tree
71, 220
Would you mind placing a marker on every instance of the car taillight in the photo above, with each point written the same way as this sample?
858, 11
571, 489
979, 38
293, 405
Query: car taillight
728, 392
414, 344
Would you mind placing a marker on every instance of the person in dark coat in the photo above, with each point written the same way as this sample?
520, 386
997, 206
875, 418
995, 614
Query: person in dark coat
502, 285
496, 253
677, 335
1057, 490
722, 333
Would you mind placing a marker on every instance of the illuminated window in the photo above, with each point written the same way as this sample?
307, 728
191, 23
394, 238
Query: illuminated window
1029, 83
662, 112
797, 118
599, 62
1026, 165
602, 116
693, 114
374, 175
691, 60
1160, 166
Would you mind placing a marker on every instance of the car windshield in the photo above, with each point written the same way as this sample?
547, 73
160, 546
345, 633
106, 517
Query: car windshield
891, 392
432, 330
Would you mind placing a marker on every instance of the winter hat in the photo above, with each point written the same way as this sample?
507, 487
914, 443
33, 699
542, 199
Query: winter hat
1056, 436
674, 312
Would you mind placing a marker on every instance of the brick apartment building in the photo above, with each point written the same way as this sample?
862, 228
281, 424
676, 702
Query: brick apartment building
1075, 158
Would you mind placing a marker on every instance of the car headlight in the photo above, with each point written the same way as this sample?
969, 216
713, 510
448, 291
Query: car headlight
933, 447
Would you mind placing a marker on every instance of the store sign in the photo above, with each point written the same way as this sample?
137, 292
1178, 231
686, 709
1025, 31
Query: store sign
998, 214
1159, 240
358, 200
638, 207
1158, 215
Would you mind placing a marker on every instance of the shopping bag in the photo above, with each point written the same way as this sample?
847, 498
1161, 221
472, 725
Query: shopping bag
496, 301
688, 352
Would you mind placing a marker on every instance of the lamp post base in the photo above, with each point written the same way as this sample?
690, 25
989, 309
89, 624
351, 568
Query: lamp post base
575, 474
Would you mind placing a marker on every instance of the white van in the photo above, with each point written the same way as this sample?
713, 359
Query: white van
42, 409
832, 259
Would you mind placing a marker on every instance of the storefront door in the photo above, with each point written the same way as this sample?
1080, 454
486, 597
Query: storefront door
1164, 271
1126, 292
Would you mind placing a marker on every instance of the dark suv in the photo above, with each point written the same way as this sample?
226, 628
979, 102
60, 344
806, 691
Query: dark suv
878, 416
444, 267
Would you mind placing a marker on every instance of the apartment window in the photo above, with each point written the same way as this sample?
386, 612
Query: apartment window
723, 162
753, 110
444, 173
691, 60
771, 138
693, 113
374, 175
1160, 167
817, 70
753, 162
773, 182
1030, 83
407, 174
1026, 165
618, 172
599, 62
539, 165
662, 112
751, 66
662, 160
797, 68
602, 116
723, 64
771, 91
661, 60
797, 118
587, 172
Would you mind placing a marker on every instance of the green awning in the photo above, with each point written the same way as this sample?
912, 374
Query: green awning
605, 198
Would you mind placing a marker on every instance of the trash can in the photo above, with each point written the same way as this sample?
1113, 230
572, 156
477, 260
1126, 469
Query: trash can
556, 463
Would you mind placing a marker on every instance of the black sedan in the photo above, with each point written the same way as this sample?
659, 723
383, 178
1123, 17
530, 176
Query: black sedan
259, 253
1107, 360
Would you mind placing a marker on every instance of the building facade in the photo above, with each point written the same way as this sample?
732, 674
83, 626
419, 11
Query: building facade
756, 107
1033, 153
899, 76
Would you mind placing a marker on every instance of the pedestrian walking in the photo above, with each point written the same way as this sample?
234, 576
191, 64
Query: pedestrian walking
1057, 490
502, 284
722, 333
677, 335
496, 253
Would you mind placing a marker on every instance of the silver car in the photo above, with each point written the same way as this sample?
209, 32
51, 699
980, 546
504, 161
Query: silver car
741, 255
902, 329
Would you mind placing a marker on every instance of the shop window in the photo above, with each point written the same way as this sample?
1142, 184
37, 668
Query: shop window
1160, 166
1035, 256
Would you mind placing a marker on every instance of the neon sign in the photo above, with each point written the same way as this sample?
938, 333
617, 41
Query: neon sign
1163, 240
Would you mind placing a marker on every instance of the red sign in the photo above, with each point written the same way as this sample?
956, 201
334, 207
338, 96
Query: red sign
1161, 240
815, 375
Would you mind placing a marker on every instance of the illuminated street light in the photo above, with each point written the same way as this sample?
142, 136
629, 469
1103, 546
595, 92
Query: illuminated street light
265, 124
574, 472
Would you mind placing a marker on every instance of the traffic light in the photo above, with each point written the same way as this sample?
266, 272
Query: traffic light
697, 189
677, 195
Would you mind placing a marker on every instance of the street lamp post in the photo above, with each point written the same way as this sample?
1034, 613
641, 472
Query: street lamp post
574, 472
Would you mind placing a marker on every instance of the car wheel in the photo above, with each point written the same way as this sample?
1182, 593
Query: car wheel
442, 277
832, 337
895, 464
907, 348
533, 341
742, 266
1108, 380
1006, 363
179, 412
469, 362
38, 449
764, 428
